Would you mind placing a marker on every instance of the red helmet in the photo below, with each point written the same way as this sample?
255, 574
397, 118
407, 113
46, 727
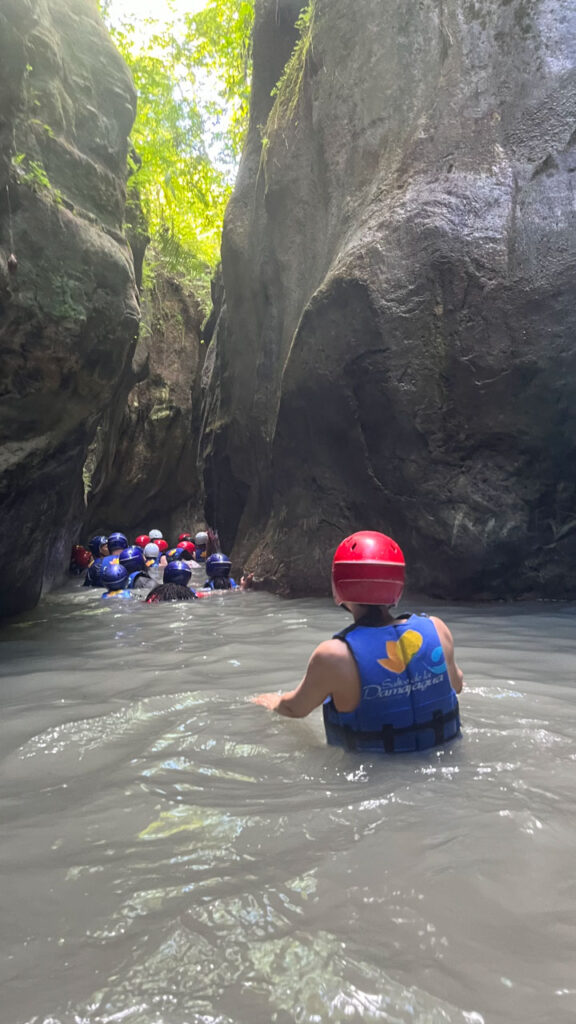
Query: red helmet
184, 536
188, 546
142, 540
80, 556
368, 568
162, 544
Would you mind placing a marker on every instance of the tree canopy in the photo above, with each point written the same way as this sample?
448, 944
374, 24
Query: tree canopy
192, 75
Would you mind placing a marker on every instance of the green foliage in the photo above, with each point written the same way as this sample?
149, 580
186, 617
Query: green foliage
192, 80
33, 173
288, 88
222, 35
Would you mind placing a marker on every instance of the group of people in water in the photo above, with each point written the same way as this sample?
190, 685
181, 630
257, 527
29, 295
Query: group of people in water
118, 568
387, 683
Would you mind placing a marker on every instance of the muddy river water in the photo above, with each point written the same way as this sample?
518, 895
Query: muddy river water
172, 854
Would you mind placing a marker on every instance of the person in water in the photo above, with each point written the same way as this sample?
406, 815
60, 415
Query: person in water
116, 544
163, 548
135, 564
178, 573
200, 543
218, 568
115, 579
170, 592
99, 549
387, 683
80, 560
151, 554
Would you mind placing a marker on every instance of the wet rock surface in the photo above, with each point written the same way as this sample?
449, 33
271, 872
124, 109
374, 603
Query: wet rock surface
69, 312
396, 349
142, 469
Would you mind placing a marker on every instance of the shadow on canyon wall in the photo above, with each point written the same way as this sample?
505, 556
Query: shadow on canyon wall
396, 349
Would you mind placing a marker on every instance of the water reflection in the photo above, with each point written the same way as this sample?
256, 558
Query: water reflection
173, 854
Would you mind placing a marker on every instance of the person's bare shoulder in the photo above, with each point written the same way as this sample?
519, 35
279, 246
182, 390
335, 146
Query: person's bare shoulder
331, 650
446, 639
442, 628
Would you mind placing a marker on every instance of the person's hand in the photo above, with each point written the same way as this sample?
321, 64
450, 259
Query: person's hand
247, 581
267, 700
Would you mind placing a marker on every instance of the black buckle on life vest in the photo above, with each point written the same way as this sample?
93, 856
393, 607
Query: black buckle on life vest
387, 734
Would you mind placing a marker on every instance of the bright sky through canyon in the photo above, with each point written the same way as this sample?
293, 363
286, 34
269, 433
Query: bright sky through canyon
136, 10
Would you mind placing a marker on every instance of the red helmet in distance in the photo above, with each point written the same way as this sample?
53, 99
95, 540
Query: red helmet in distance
184, 536
81, 557
188, 547
142, 540
162, 544
368, 568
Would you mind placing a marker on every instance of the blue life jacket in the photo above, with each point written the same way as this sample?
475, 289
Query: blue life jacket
407, 700
200, 555
110, 560
131, 585
209, 585
94, 574
124, 594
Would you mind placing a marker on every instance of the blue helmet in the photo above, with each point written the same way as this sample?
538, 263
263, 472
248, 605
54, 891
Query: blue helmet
95, 544
117, 540
218, 565
177, 572
115, 577
132, 559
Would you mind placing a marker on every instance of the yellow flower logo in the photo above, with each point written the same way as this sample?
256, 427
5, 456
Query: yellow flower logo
400, 652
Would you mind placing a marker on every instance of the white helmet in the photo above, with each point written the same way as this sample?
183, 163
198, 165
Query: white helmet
151, 551
201, 539
156, 535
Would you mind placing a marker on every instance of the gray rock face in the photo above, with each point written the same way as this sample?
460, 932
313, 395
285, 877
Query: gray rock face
143, 464
69, 312
397, 349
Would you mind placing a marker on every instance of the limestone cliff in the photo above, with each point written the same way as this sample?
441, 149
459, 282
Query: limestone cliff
396, 350
69, 312
142, 469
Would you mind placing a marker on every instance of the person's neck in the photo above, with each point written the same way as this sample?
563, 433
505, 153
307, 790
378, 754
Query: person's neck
376, 615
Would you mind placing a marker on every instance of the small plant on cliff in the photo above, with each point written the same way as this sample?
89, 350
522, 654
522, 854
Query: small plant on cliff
34, 174
288, 89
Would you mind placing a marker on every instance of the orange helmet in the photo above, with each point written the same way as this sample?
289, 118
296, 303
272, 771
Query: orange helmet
368, 568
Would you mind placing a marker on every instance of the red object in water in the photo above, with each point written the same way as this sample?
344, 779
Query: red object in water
162, 544
188, 546
80, 556
142, 540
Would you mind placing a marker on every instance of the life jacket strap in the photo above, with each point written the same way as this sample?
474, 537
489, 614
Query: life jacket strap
386, 735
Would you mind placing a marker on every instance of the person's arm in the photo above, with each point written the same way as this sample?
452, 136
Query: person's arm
328, 673
455, 673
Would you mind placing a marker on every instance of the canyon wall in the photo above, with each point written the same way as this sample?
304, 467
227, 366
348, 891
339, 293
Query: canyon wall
142, 468
69, 307
396, 349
